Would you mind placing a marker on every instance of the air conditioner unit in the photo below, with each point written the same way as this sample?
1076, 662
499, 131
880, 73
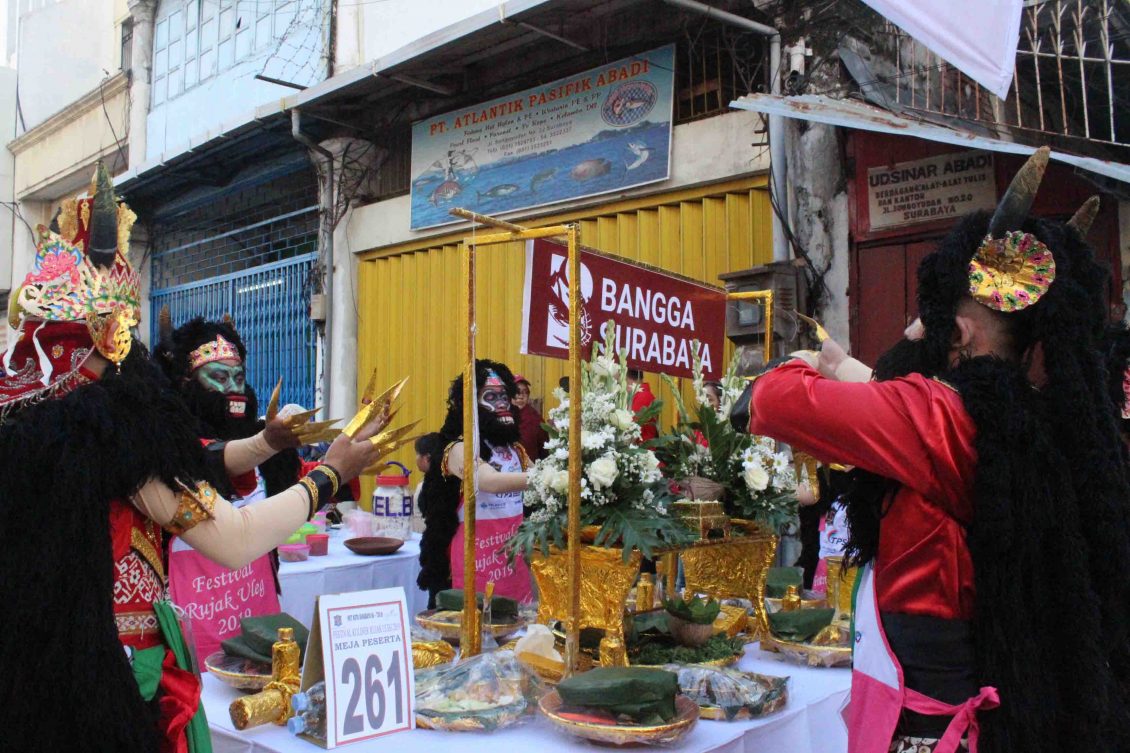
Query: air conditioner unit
745, 321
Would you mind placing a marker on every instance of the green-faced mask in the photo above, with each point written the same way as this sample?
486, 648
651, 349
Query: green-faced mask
222, 378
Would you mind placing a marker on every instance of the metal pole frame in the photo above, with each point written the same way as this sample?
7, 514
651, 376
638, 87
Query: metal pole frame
471, 633
766, 298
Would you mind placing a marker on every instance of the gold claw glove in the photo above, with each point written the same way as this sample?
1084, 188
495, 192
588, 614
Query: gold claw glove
299, 424
374, 408
821, 333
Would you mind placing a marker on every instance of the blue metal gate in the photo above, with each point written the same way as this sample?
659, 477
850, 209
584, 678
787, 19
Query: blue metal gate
270, 307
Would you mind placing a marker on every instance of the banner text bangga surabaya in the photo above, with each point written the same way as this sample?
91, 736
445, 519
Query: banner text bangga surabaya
602, 130
657, 315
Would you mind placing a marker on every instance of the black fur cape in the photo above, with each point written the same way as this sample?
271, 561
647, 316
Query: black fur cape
1050, 539
439, 502
65, 682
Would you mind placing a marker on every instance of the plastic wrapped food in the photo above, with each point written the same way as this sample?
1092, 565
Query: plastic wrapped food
484, 693
728, 694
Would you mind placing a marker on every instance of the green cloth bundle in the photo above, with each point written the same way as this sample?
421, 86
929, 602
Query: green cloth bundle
259, 634
800, 624
502, 609
779, 579
643, 695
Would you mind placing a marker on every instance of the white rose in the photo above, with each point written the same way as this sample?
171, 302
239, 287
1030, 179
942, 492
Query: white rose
622, 419
605, 366
602, 472
756, 478
559, 481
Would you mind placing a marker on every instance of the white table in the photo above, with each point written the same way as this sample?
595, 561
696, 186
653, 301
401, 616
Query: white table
342, 571
809, 723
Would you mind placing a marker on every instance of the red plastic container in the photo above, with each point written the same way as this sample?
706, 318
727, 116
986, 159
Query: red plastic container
319, 544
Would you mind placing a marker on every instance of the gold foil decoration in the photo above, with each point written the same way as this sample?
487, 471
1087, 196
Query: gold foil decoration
431, 654
272, 704
111, 333
703, 516
731, 620
68, 220
606, 581
126, 218
734, 569
841, 588
645, 592
791, 602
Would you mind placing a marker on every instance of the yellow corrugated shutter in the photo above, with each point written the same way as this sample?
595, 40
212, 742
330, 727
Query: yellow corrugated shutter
408, 296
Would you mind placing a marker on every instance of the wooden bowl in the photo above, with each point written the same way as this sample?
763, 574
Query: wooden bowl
369, 546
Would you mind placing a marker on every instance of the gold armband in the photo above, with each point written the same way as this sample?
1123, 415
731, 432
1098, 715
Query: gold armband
194, 506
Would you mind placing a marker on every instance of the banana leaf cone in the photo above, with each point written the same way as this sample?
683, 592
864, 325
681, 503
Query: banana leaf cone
800, 624
502, 609
643, 695
779, 579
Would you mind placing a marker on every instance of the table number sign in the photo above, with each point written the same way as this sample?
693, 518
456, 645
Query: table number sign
361, 645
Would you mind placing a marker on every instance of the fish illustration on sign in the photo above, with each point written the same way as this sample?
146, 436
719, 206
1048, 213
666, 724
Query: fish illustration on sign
590, 168
541, 178
642, 152
497, 192
445, 191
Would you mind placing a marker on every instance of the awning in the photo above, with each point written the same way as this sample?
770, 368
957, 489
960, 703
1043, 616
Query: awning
847, 113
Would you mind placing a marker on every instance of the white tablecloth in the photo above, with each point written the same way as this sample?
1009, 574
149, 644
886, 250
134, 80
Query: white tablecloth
809, 723
342, 571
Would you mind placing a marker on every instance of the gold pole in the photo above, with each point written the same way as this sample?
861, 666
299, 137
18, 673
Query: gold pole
483, 219
572, 622
766, 297
470, 638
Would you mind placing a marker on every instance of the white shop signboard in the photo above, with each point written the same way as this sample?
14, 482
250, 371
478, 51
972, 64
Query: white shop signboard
936, 188
363, 642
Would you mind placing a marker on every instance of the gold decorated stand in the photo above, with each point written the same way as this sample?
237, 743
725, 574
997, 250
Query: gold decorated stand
471, 637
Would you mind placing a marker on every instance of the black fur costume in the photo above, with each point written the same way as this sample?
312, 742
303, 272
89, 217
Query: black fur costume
439, 500
1050, 540
65, 683
281, 470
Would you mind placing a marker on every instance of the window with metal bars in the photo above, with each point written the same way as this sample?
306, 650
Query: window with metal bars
269, 223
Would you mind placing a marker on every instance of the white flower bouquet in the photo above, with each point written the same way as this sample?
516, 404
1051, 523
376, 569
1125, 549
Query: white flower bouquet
757, 478
622, 487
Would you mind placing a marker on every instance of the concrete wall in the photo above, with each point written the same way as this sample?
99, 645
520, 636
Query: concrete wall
367, 31
8, 222
65, 50
294, 53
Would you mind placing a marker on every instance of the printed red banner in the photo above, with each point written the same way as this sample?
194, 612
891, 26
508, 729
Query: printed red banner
657, 315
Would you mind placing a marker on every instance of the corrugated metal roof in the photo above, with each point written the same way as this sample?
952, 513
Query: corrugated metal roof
848, 113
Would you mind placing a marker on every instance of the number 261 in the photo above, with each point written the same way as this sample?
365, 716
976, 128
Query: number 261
373, 691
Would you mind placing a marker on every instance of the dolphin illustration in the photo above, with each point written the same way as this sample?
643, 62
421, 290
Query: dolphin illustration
642, 152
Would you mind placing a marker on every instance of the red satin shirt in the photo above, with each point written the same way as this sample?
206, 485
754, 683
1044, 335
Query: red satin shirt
913, 430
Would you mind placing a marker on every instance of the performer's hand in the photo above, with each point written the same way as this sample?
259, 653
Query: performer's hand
280, 436
804, 495
832, 355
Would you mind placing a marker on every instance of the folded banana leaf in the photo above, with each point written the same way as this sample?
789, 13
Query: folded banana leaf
502, 609
780, 578
643, 695
800, 624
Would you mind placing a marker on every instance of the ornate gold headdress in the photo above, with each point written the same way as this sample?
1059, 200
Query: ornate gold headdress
82, 273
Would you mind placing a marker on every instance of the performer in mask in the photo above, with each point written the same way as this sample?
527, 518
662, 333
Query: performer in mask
502, 479
994, 608
101, 460
206, 362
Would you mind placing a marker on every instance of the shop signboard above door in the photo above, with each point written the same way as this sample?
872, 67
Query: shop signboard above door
943, 187
603, 130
